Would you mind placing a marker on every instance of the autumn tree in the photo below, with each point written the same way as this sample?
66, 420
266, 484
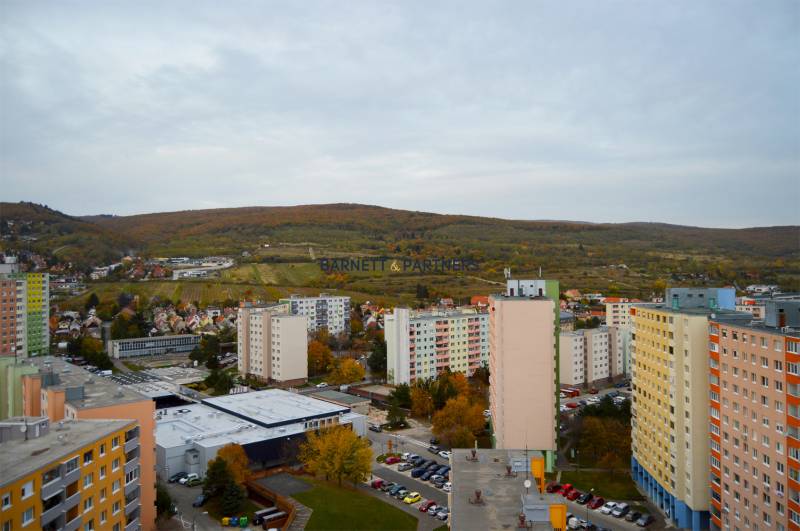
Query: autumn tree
319, 357
421, 401
237, 461
347, 371
458, 422
337, 453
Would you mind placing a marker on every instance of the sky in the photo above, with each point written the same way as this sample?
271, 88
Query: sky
682, 112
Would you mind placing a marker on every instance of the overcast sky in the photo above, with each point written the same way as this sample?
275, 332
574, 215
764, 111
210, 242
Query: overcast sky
683, 112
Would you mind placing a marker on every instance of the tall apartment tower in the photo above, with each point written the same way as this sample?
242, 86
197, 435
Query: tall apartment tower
273, 344
24, 312
523, 373
755, 421
325, 311
586, 356
670, 380
423, 344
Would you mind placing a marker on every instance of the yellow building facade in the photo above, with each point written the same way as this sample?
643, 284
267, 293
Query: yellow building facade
81, 474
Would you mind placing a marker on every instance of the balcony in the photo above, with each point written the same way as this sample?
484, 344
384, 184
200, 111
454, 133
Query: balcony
51, 489
131, 505
51, 514
131, 444
72, 477
131, 464
74, 524
133, 526
72, 501
131, 486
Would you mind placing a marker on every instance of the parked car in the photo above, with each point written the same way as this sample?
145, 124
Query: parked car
608, 507
200, 501
321, 385
425, 505
387, 486
433, 449
575, 523
376, 483
550, 488
434, 477
574, 495
594, 391
412, 497
432, 509
445, 454
565, 489
633, 516
392, 460
395, 488
443, 513
584, 498
178, 477
487, 413
402, 467
583, 402
442, 470
417, 472
434, 440
645, 520
596, 502
185, 479
194, 482
402, 493
572, 405
447, 487
427, 475
375, 428
439, 482
620, 510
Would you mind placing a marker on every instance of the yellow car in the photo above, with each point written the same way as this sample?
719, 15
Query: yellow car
413, 497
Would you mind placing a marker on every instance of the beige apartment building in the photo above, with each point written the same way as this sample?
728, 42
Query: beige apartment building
273, 344
755, 423
670, 404
586, 356
522, 372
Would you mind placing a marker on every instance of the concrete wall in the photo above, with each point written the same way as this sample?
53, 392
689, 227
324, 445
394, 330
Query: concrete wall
396, 327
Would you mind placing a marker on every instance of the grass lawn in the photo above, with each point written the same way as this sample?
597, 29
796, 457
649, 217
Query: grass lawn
618, 486
214, 511
442, 528
344, 508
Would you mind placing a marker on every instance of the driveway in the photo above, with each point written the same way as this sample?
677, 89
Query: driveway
183, 497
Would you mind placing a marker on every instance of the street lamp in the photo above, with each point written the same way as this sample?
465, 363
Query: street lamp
587, 506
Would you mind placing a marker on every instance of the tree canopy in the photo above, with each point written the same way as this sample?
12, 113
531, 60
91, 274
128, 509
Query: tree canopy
346, 371
337, 453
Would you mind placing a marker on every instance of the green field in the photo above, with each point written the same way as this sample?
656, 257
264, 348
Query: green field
348, 509
617, 486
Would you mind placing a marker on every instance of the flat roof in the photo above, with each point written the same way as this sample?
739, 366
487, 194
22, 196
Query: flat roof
178, 375
98, 391
274, 407
338, 396
19, 457
205, 426
504, 497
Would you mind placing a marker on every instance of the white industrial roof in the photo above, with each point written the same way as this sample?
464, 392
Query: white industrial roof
274, 407
205, 426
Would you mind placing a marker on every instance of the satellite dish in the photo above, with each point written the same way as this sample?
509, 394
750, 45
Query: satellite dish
527, 483
23, 428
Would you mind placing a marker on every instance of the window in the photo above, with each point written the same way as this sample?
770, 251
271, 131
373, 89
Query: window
115, 464
27, 490
103, 517
88, 457
115, 507
6, 501
103, 494
71, 465
89, 526
103, 449
88, 504
27, 516
102, 471
88, 479
115, 486
115, 443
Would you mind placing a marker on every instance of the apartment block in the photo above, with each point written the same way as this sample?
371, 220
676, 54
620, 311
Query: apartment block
273, 344
325, 311
755, 421
153, 346
24, 313
71, 475
670, 404
12, 370
62, 391
423, 344
523, 373
585, 356
618, 311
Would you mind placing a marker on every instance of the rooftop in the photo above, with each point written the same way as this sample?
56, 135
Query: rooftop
88, 390
716, 313
503, 495
179, 375
20, 457
274, 407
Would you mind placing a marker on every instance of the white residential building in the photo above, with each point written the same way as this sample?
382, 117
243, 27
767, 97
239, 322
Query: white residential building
585, 356
423, 344
273, 344
325, 311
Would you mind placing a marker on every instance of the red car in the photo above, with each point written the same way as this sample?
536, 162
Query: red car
392, 460
596, 503
424, 506
573, 495
552, 487
572, 405
565, 488
594, 390
377, 483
